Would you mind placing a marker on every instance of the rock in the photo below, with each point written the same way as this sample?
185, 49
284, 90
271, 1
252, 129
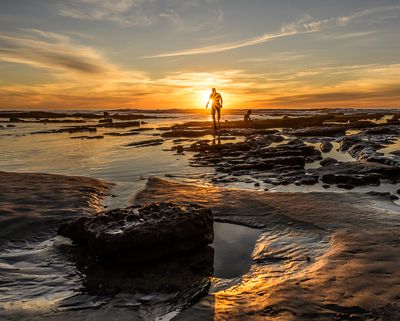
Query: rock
347, 142
326, 147
70, 130
398, 191
145, 143
321, 131
187, 133
346, 186
354, 180
326, 186
179, 149
88, 137
11, 126
122, 124
382, 130
391, 173
308, 180
116, 134
385, 195
328, 161
106, 121
148, 233
14, 119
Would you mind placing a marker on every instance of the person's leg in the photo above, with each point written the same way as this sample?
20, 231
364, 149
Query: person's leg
213, 117
219, 117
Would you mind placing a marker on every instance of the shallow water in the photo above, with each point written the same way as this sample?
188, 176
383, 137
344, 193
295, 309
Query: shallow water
42, 277
233, 246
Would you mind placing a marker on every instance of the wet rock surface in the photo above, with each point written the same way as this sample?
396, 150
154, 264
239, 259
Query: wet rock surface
284, 163
142, 234
303, 140
146, 143
353, 246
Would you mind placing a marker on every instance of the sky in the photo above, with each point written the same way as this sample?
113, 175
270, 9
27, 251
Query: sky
85, 54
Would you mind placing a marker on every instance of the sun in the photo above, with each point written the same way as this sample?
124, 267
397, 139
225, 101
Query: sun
203, 96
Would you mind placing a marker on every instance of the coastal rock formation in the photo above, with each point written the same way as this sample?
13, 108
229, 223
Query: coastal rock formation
145, 143
326, 147
283, 163
147, 233
328, 161
357, 174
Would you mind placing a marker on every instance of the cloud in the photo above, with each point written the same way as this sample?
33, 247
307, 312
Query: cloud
287, 56
231, 45
305, 25
50, 50
370, 85
344, 20
386, 96
188, 15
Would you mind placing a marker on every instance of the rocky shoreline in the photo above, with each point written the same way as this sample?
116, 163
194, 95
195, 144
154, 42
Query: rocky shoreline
281, 155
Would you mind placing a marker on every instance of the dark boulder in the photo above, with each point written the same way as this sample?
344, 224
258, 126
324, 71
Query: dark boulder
308, 180
328, 161
326, 147
148, 233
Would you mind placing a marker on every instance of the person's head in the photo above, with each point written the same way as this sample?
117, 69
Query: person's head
249, 112
213, 90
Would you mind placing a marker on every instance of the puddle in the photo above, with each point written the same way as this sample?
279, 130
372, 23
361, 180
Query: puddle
233, 247
334, 153
391, 148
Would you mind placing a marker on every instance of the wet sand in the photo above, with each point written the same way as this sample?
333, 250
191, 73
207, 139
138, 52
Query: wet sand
322, 256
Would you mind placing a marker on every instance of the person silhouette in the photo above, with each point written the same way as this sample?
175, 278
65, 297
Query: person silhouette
247, 118
216, 106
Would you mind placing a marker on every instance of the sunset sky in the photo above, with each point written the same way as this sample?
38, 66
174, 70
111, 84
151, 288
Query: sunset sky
83, 54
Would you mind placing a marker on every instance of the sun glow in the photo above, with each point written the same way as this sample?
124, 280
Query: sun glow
203, 97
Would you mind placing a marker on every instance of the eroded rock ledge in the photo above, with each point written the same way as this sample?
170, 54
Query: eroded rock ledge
142, 234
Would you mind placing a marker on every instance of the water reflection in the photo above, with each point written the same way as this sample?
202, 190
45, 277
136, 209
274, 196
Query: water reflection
233, 245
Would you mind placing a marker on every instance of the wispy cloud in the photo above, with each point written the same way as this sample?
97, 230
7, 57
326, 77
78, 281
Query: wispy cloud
231, 45
187, 15
287, 56
305, 25
349, 35
51, 50
344, 20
